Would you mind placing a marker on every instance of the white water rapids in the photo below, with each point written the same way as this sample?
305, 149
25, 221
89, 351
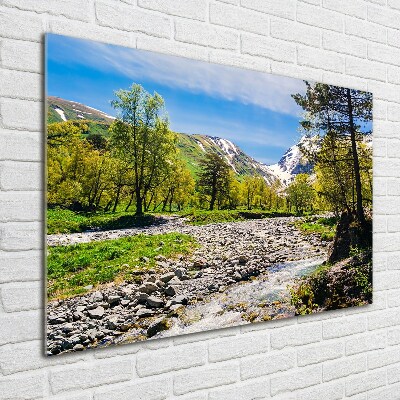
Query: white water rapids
216, 310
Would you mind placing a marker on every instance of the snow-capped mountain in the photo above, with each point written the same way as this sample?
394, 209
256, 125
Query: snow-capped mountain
294, 162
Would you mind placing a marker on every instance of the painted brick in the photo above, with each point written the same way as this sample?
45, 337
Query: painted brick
344, 367
194, 9
284, 9
16, 26
90, 31
90, 375
393, 336
205, 35
258, 389
296, 335
20, 267
381, 358
21, 175
74, 9
318, 353
242, 19
365, 69
21, 55
320, 59
21, 146
344, 326
29, 356
344, 44
174, 48
327, 391
206, 377
253, 367
384, 54
298, 379
355, 8
364, 382
154, 389
295, 32
22, 114
384, 319
22, 206
20, 327
393, 374
320, 17
27, 386
244, 345
171, 359
17, 236
270, 48
365, 30
390, 392
366, 342
22, 296
394, 75
393, 38
384, 16
130, 19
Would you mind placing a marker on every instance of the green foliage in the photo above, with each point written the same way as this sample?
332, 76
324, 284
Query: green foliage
300, 193
324, 227
214, 178
140, 137
67, 221
71, 268
332, 286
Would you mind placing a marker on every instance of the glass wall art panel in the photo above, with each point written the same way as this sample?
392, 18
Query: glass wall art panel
184, 196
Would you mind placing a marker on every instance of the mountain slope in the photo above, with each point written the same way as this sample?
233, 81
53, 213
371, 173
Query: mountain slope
193, 147
293, 161
59, 110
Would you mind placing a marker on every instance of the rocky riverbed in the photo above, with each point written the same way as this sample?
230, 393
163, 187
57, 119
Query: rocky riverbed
234, 261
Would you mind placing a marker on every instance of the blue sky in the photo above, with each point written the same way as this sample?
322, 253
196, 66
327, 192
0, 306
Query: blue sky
252, 109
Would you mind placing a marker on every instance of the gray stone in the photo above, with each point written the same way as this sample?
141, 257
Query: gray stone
96, 297
181, 299
113, 300
167, 277
148, 287
170, 291
97, 313
78, 347
160, 324
154, 301
144, 312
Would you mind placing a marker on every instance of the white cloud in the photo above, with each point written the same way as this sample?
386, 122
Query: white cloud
248, 87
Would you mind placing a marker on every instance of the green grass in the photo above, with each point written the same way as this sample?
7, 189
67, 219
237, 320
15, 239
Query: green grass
66, 221
71, 268
202, 217
324, 227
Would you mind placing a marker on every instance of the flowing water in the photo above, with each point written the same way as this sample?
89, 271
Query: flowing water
266, 297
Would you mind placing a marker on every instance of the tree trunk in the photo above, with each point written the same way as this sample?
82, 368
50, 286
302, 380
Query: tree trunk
139, 203
116, 199
360, 210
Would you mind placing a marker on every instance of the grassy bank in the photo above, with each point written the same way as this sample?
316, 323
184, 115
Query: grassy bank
66, 221
344, 284
203, 217
71, 268
324, 227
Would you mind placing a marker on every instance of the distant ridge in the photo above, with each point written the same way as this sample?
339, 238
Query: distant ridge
193, 146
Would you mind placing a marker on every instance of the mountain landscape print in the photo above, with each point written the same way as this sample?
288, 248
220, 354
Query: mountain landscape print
184, 196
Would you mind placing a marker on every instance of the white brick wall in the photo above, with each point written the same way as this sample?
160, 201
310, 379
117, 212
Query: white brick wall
352, 353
